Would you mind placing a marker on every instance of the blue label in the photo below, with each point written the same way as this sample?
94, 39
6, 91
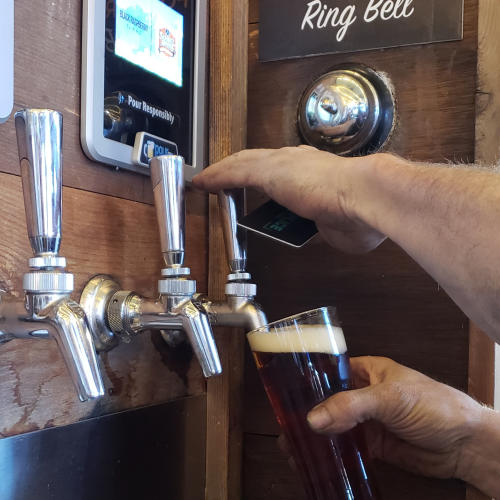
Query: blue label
153, 146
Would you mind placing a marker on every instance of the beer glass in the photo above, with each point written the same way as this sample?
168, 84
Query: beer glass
302, 360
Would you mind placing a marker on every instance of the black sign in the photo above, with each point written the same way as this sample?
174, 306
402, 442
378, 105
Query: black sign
297, 28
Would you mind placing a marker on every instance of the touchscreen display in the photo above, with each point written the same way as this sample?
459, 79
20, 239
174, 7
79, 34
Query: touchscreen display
149, 71
150, 35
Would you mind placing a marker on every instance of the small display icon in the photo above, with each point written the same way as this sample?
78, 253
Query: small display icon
147, 146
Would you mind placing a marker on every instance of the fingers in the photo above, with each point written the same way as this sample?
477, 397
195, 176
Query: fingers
308, 148
413, 458
345, 410
388, 394
243, 169
369, 370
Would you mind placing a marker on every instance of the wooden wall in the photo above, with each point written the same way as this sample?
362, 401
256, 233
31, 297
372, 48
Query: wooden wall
387, 304
109, 226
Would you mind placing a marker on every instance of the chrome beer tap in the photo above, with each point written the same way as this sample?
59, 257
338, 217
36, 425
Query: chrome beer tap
240, 308
47, 310
116, 314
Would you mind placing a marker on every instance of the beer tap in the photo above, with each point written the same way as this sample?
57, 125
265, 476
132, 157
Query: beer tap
240, 308
47, 310
117, 314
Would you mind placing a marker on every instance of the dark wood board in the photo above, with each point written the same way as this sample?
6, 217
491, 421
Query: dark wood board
227, 134
263, 459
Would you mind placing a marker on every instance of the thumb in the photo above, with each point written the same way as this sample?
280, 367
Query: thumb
345, 410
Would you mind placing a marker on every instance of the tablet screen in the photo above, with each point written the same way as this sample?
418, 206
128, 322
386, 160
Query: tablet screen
149, 71
149, 34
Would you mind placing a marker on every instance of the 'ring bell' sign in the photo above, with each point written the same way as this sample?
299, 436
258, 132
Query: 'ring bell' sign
297, 28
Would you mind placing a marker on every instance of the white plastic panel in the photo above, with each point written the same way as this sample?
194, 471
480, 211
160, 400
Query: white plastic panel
6, 58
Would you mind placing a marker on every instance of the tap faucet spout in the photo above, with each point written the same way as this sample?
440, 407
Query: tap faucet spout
72, 334
238, 312
42, 316
199, 332
129, 314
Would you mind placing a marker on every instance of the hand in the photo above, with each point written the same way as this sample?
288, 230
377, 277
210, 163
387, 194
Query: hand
311, 183
415, 422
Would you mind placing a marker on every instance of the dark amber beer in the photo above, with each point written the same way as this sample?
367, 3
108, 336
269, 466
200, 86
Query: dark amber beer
300, 366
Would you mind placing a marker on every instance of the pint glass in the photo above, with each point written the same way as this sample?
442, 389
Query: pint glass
303, 360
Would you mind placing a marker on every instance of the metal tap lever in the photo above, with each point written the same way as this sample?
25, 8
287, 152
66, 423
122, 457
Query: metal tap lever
167, 177
48, 286
232, 206
39, 138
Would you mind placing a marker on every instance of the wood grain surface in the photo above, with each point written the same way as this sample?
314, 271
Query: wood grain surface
387, 304
101, 234
267, 475
47, 75
227, 134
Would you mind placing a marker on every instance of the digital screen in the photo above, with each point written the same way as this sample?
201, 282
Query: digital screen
277, 222
150, 35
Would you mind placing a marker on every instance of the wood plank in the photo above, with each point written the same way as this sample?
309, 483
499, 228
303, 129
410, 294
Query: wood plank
101, 234
47, 75
227, 134
253, 11
267, 475
481, 348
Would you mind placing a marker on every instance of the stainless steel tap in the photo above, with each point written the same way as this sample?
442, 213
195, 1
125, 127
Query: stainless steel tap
120, 314
47, 310
240, 308
116, 314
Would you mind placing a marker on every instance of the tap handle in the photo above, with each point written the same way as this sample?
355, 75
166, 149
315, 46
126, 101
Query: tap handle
232, 206
167, 177
39, 140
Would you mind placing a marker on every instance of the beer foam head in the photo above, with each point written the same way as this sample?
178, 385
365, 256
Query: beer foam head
325, 339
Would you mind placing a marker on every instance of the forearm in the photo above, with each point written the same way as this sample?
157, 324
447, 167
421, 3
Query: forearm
481, 456
447, 219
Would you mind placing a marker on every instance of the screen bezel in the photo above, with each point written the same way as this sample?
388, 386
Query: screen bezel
111, 152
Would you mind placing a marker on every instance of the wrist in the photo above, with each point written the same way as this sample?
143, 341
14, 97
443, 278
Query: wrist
369, 179
480, 457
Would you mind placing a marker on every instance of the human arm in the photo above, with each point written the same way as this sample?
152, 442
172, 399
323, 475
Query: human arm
417, 423
447, 219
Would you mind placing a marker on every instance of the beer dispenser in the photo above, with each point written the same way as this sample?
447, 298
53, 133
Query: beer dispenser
115, 314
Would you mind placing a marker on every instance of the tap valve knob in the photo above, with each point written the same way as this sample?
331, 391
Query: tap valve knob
39, 140
167, 177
